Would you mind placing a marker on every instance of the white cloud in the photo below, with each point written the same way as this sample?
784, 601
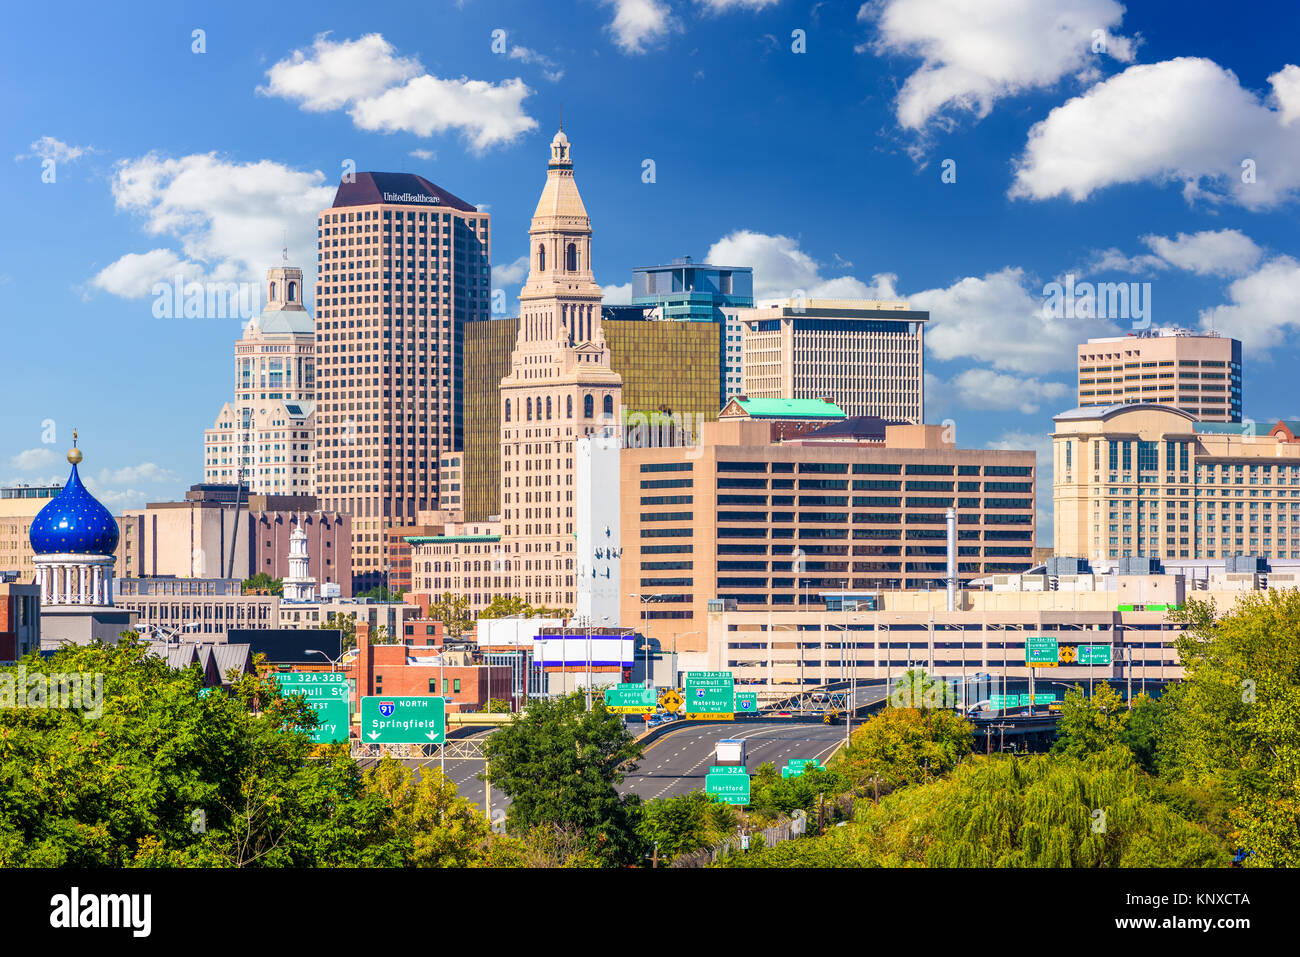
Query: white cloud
974, 54
144, 472
1186, 120
30, 459
781, 268
617, 295
1222, 252
1116, 260
1264, 306
979, 388
388, 93
638, 24
425, 155
725, 6
550, 69
1041, 444
511, 273
49, 148
228, 218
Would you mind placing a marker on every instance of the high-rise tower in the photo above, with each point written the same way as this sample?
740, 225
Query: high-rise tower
560, 389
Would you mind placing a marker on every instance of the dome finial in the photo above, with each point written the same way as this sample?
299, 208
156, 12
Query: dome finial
74, 453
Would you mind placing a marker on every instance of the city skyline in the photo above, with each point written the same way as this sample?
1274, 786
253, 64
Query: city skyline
219, 195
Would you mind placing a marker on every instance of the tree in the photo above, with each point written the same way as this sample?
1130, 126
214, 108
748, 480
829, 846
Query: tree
686, 823
431, 826
453, 612
772, 796
262, 583
1236, 722
496, 706
542, 845
1090, 725
347, 625
381, 593
560, 765
512, 606
902, 746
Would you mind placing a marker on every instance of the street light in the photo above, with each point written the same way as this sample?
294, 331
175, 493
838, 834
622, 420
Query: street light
645, 618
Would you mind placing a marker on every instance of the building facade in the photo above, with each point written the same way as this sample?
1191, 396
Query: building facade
1151, 481
1198, 372
19, 505
266, 437
202, 609
867, 356
560, 388
403, 267
20, 620
466, 560
742, 519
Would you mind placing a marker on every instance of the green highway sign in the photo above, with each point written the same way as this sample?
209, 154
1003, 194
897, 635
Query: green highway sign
1094, 654
1041, 650
1000, 702
730, 788
726, 769
399, 719
710, 694
633, 698
1039, 698
746, 702
798, 766
327, 694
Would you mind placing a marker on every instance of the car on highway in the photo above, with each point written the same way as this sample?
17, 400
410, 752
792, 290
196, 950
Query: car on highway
782, 714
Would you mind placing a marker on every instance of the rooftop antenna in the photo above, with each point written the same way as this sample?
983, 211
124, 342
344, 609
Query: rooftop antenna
284, 249
561, 117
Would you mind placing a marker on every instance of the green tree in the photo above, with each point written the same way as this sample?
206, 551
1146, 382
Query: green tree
1236, 722
1090, 725
347, 625
560, 765
496, 706
431, 825
262, 582
1147, 720
686, 823
381, 593
902, 746
772, 796
511, 606
453, 612
542, 845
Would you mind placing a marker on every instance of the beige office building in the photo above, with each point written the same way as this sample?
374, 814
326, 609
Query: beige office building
403, 265
1198, 372
560, 389
467, 559
1152, 481
865, 355
18, 507
266, 437
745, 520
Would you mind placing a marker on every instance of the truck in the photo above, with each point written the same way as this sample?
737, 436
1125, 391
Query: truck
731, 752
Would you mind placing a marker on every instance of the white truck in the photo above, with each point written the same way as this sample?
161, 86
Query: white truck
731, 752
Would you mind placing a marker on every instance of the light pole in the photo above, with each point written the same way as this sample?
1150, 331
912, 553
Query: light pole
645, 619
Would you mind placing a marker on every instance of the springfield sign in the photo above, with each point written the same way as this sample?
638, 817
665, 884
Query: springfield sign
709, 694
403, 719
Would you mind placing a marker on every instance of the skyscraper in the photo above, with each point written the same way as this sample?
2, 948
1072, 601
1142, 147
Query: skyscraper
403, 265
560, 389
266, 437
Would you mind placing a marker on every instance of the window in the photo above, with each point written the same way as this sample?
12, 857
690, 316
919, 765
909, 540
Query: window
571, 257
293, 289
541, 266
529, 407
569, 405
548, 406
455, 685
608, 408
507, 410
588, 407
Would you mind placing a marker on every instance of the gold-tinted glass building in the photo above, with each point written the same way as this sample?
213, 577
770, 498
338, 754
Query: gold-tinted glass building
487, 361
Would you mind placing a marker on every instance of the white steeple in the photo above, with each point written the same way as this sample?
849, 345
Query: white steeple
299, 586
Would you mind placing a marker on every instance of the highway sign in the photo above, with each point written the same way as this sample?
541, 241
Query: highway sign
1068, 654
398, 719
726, 769
1094, 654
710, 694
670, 701
1040, 698
746, 702
1041, 651
731, 787
1000, 702
633, 698
798, 766
327, 694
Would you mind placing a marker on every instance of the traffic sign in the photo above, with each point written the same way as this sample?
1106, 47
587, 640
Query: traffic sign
1040, 698
398, 719
1068, 654
670, 701
798, 766
1001, 702
746, 702
731, 787
1041, 651
633, 698
710, 694
327, 694
1094, 654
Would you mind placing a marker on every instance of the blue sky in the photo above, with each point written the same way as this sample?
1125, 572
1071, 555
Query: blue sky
1086, 136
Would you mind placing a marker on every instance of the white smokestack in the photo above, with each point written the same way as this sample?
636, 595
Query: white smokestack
952, 559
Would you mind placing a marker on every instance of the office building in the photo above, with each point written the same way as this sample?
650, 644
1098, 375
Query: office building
195, 608
687, 291
1198, 372
1152, 481
19, 505
265, 438
560, 388
759, 524
403, 266
867, 356
20, 620
465, 559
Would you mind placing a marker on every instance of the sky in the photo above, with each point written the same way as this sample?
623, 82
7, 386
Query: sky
962, 155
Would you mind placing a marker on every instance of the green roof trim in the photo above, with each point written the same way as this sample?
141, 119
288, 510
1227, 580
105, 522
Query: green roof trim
791, 409
446, 539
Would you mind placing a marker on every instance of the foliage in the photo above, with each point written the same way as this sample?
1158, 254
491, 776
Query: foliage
262, 583
560, 765
430, 825
916, 689
511, 606
542, 845
1090, 725
1235, 724
496, 706
381, 593
347, 624
772, 796
902, 746
840, 847
686, 823
453, 612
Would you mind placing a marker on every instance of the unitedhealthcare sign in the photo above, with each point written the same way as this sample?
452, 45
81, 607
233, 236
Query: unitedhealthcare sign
411, 198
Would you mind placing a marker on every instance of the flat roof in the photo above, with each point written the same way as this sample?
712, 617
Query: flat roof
791, 408
436, 539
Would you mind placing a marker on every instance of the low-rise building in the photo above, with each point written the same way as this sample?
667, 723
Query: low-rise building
204, 608
20, 620
401, 669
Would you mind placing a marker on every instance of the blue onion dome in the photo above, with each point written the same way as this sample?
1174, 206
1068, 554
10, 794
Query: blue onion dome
74, 522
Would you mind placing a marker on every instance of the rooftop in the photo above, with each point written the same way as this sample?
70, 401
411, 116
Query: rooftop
369, 189
789, 408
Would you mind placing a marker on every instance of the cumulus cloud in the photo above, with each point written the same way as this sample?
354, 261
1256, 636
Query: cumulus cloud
550, 69
49, 148
511, 273
144, 472
781, 268
980, 388
31, 459
620, 295
388, 93
1186, 120
425, 155
726, 6
640, 24
1217, 252
1263, 306
229, 219
973, 54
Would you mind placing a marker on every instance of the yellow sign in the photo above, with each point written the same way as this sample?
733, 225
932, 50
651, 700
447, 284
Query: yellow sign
670, 701
1067, 655
1042, 664
708, 716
